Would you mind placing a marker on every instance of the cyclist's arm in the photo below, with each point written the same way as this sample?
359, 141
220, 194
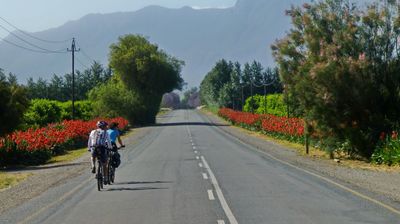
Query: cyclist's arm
91, 140
120, 140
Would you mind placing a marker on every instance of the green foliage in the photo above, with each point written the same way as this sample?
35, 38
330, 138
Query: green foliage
113, 99
387, 150
42, 112
60, 88
147, 73
13, 101
270, 104
340, 66
83, 110
227, 83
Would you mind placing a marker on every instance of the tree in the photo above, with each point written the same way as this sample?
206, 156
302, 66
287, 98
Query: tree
214, 81
341, 65
13, 101
146, 71
170, 100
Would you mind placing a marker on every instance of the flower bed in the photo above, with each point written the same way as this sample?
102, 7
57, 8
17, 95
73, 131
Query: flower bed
290, 128
36, 146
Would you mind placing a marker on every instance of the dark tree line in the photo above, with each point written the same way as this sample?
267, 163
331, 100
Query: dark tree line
60, 87
229, 83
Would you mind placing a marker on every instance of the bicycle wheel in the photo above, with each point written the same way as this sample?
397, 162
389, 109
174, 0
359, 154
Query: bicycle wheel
99, 177
112, 174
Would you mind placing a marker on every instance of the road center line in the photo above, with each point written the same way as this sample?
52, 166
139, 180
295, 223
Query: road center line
210, 195
196, 152
205, 177
200, 165
197, 157
220, 222
224, 204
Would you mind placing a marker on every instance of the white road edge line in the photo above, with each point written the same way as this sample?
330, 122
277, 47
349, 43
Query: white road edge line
210, 195
220, 222
224, 204
205, 177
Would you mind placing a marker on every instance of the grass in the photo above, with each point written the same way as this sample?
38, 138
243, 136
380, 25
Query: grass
8, 180
68, 156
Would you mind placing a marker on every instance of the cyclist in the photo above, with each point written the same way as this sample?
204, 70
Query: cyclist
99, 142
114, 134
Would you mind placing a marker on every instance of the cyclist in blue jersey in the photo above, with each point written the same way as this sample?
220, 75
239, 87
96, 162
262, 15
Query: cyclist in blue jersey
114, 134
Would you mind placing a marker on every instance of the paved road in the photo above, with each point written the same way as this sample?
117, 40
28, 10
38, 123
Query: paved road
186, 170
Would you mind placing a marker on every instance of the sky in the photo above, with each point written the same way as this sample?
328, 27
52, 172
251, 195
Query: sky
38, 15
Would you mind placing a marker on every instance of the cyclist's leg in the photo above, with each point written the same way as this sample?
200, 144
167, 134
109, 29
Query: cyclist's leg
104, 162
93, 160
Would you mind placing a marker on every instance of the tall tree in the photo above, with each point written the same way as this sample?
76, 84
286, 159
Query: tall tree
13, 101
147, 71
341, 64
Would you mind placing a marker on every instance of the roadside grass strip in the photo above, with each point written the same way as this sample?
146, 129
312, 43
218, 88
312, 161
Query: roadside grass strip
68, 156
8, 180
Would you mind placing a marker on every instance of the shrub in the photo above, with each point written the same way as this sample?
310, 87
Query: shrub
271, 104
42, 112
83, 110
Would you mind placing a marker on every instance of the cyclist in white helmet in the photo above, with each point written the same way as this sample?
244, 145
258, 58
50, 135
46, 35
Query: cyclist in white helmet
99, 142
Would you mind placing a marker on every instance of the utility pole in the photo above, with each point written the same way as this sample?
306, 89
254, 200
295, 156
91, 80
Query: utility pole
73, 50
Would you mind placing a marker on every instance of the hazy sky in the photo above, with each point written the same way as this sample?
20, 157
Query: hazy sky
37, 15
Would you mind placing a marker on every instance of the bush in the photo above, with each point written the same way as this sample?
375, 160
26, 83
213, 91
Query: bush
272, 104
387, 150
42, 112
83, 110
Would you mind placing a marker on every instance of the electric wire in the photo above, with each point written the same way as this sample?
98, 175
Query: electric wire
85, 54
31, 44
25, 48
34, 37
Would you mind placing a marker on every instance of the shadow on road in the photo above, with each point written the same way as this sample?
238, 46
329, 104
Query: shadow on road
43, 167
143, 182
136, 188
188, 123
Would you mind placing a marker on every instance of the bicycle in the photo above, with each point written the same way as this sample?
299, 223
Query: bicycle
100, 172
111, 167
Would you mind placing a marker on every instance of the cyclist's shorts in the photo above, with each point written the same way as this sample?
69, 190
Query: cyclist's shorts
100, 151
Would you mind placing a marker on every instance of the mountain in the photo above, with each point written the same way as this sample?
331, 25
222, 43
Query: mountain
199, 37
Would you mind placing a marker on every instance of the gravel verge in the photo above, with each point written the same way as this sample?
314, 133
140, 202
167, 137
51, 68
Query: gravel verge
44, 177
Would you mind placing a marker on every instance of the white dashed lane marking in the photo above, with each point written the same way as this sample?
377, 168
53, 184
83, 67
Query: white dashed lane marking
210, 195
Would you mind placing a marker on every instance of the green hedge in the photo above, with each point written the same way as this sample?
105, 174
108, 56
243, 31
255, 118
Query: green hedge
271, 104
42, 112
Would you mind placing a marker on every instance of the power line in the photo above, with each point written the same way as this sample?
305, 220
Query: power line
25, 48
29, 43
81, 63
85, 54
37, 38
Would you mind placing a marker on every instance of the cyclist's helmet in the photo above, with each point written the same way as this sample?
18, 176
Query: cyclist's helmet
101, 124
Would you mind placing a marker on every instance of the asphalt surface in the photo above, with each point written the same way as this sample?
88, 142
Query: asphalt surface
186, 170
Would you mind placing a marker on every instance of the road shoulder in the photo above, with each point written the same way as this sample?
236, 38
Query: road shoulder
378, 183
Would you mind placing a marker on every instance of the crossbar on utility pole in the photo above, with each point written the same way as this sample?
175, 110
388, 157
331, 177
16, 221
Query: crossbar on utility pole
73, 50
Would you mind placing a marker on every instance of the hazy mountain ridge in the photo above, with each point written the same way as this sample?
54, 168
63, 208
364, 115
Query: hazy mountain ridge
199, 37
